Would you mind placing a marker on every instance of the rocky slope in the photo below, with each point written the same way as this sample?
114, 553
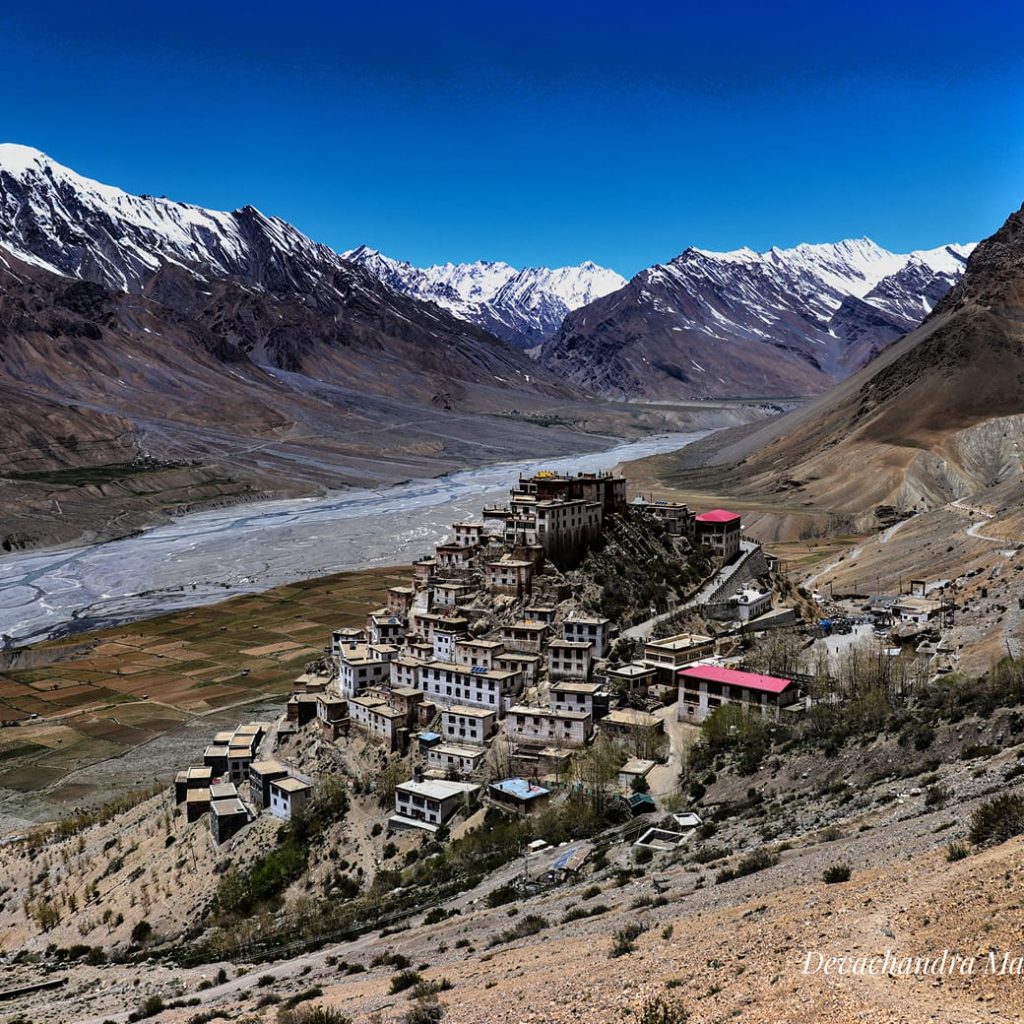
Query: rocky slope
524, 307
784, 322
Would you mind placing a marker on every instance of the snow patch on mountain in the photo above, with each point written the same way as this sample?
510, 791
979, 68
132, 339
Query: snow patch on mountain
522, 306
79, 227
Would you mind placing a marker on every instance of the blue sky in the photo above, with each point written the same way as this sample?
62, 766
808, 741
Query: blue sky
540, 133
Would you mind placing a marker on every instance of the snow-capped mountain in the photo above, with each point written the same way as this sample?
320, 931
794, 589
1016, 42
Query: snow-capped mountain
782, 322
77, 227
524, 307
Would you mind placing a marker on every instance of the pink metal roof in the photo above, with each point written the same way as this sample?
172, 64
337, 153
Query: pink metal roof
717, 515
734, 677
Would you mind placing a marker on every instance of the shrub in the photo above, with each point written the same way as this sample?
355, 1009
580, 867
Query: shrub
836, 873
300, 997
974, 750
141, 932
936, 796
150, 1008
424, 1011
998, 819
500, 896
404, 980
748, 865
428, 989
957, 850
643, 855
396, 960
657, 1010
313, 1015
529, 925
581, 913
625, 939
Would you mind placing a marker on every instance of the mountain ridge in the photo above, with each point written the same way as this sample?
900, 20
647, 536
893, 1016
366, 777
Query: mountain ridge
777, 323
523, 307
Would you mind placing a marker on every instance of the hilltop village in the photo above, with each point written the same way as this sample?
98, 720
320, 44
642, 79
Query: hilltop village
490, 669
578, 694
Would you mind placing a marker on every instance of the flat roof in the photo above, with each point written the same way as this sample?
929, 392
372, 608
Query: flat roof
587, 620
406, 691
637, 766
528, 624
517, 656
456, 751
631, 716
271, 764
736, 677
200, 773
633, 669
467, 711
197, 796
231, 805
680, 642
223, 790
576, 686
377, 707
522, 709
572, 645
468, 670
521, 789
440, 789
290, 785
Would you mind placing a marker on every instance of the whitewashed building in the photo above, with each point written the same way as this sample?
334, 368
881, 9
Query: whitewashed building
463, 724
543, 727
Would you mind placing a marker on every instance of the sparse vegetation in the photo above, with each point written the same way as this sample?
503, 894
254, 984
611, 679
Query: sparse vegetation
998, 819
659, 1010
836, 873
758, 860
625, 938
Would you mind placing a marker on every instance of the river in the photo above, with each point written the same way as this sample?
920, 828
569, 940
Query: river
209, 556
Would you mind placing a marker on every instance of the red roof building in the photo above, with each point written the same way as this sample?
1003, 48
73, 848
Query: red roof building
702, 688
719, 530
718, 515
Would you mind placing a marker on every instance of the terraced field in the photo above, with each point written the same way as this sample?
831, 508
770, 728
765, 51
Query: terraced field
128, 706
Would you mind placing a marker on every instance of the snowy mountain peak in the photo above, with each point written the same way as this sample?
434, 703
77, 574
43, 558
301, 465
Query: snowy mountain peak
521, 306
17, 159
717, 324
851, 267
55, 218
